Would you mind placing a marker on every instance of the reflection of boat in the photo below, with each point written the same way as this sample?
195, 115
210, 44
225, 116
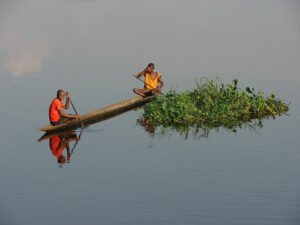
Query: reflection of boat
99, 114
46, 136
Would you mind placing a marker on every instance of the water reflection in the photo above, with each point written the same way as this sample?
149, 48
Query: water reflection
22, 53
60, 145
197, 131
147, 125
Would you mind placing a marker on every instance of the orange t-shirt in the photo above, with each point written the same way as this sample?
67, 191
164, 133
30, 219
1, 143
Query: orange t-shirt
55, 146
55, 107
152, 83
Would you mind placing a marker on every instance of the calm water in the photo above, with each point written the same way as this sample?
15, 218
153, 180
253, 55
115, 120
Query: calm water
119, 173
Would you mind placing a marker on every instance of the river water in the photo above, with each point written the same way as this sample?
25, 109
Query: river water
119, 173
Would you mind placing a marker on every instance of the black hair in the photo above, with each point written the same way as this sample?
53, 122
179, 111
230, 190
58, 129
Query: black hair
59, 91
151, 65
61, 159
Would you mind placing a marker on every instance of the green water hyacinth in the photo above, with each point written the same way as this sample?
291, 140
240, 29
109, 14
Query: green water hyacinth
213, 104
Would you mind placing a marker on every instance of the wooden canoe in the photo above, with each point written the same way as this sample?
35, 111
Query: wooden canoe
98, 115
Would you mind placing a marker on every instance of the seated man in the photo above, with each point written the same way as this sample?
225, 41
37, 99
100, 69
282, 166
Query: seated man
153, 82
56, 114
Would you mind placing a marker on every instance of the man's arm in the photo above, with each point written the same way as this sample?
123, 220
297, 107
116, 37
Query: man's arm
63, 114
68, 152
66, 106
161, 83
143, 73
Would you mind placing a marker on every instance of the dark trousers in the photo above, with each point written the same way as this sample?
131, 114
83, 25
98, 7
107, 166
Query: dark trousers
62, 120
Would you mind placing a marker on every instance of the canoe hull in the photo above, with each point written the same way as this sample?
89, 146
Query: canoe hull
98, 115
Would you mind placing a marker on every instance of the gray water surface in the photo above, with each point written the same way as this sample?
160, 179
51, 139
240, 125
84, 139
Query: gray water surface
119, 173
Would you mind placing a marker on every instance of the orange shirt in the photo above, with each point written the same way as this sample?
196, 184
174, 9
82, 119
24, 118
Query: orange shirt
55, 146
152, 83
55, 107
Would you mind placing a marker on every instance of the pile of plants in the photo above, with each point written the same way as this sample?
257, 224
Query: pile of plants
213, 104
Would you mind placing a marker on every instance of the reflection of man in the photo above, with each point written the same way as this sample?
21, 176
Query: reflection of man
148, 126
153, 82
56, 114
57, 145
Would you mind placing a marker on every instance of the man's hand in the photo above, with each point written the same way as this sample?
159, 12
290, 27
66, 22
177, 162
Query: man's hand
77, 116
158, 89
147, 70
68, 158
68, 96
154, 91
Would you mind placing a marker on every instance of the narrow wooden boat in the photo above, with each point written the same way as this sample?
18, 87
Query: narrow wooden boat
98, 115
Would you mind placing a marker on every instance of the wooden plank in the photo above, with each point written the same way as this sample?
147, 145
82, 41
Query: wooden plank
99, 114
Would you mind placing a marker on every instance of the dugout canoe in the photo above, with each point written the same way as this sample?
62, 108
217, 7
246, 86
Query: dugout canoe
98, 115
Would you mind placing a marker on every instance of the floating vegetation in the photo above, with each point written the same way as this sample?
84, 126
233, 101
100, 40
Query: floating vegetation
212, 104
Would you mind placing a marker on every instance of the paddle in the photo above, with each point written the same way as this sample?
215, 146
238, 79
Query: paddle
77, 141
76, 112
149, 85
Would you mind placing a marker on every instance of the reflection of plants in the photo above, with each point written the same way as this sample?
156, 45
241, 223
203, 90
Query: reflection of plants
199, 132
212, 104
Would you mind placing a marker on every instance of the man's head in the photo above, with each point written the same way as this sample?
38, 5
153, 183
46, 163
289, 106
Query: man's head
61, 159
150, 67
60, 94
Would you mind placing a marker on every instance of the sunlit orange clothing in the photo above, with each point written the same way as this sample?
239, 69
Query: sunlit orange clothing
152, 83
56, 146
55, 107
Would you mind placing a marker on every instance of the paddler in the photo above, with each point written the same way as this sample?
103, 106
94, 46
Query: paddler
153, 82
56, 114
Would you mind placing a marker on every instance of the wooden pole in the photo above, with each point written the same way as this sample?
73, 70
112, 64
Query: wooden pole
76, 142
76, 112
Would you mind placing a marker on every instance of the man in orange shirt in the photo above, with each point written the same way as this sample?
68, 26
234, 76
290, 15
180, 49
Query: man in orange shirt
56, 114
153, 80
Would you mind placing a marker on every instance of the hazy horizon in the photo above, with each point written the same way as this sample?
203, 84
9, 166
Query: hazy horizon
184, 38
